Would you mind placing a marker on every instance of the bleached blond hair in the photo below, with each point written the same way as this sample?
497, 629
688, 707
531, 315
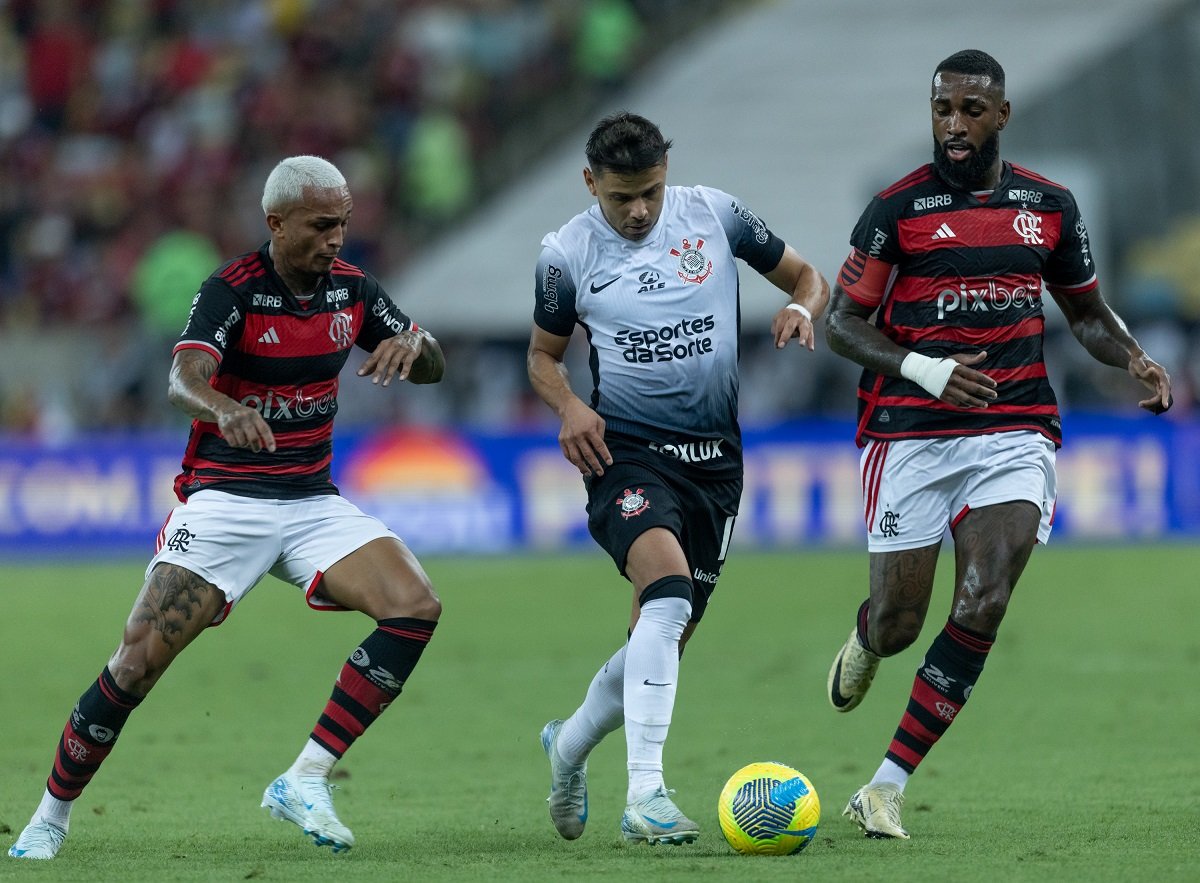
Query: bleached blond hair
285, 185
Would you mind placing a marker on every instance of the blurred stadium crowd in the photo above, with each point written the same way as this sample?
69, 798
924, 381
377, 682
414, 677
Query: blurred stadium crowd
135, 136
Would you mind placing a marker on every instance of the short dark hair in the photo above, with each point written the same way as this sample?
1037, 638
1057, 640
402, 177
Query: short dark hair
974, 62
625, 143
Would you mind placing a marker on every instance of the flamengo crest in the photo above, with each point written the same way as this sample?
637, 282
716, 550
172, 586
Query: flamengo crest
693, 265
341, 330
1029, 227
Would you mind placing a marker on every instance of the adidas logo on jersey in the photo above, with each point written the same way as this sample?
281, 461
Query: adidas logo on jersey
944, 232
270, 336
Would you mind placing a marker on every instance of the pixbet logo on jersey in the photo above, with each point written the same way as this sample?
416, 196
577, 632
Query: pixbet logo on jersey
994, 297
275, 406
668, 343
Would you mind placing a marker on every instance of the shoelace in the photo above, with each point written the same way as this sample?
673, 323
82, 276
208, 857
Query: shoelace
856, 666
659, 804
320, 793
574, 785
892, 801
43, 834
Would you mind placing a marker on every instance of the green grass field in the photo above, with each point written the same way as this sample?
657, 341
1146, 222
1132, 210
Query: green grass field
1075, 761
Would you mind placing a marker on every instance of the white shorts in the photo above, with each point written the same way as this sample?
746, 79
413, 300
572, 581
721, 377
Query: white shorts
233, 542
914, 489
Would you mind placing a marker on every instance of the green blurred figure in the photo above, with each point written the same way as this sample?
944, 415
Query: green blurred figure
167, 278
607, 42
440, 168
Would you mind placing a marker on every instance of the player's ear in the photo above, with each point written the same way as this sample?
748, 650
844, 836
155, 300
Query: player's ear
1005, 110
590, 180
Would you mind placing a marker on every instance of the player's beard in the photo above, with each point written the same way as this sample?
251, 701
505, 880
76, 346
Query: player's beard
970, 173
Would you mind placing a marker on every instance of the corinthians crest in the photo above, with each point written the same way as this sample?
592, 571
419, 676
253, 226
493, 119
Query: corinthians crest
693, 265
632, 503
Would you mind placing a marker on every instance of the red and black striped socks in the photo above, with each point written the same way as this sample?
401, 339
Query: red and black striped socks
941, 688
370, 679
89, 736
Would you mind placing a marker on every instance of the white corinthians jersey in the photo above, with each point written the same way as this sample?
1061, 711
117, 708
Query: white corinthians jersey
661, 314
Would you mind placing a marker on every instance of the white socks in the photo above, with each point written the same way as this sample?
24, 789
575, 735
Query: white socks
314, 760
602, 711
51, 809
651, 676
890, 771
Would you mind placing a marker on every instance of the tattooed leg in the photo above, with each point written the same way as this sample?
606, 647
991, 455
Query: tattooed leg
174, 606
901, 586
992, 545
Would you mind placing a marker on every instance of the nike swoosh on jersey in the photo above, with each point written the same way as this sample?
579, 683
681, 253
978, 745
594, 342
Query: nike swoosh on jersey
596, 289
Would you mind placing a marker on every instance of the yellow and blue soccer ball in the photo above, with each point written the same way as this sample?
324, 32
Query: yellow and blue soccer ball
769, 809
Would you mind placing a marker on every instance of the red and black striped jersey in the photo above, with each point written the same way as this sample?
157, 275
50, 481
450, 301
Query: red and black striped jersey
281, 357
958, 272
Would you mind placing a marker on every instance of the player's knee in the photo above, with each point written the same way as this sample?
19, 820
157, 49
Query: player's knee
415, 598
135, 670
890, 635
674, 586
983, 613
428, 606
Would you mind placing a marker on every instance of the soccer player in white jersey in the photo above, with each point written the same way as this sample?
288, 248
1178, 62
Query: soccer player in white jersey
650, 274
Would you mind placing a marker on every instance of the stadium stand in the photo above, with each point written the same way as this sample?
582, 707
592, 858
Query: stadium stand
134, 135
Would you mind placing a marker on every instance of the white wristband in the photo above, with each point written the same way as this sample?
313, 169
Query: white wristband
801, 309
931, 375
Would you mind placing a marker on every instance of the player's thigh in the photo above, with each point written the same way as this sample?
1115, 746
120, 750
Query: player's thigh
992, 545
174, 606
626, 502
383, 579
1009, 467
901, 588
708, 514
226, 540
653, 555
345, 559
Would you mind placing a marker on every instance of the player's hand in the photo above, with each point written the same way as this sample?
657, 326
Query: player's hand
243, 427
582, 439
1155, 378
393, 357
788, 324
967, 387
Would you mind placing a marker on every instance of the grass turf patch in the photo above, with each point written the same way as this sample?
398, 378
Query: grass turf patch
1073, 761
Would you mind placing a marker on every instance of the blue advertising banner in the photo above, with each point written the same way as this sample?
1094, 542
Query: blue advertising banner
454, 491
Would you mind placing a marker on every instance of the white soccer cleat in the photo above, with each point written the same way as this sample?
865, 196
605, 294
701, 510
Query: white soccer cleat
876, 809
850, 677
654, 818
40, 839
306, 801
568, 787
